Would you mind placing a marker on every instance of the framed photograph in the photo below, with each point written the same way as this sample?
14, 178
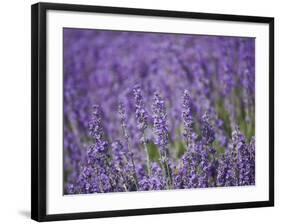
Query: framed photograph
139, 111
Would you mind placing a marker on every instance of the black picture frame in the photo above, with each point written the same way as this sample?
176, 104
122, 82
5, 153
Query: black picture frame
39, 116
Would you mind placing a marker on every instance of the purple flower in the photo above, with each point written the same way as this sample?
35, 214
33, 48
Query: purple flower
227, 171
95, 125
142, 121
144, 184
122, 113
161, 133
244, 162
189, 135
251, 149
208, 134
130, 155
160, 124
141, 113
118, 153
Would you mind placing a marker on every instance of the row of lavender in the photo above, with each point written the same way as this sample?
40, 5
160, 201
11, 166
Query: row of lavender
170, 111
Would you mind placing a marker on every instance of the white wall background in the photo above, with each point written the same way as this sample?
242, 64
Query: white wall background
15, 110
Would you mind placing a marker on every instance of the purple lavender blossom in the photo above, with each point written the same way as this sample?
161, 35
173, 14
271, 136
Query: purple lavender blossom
142, 121
243, 157
141, 113
226, 173
208, 134
160, 124
161, 133
189, 135
95, 125
251, 149
130, 155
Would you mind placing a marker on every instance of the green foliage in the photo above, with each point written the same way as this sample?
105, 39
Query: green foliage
218, 147
223, 115
246, 127
153, 152
180, 148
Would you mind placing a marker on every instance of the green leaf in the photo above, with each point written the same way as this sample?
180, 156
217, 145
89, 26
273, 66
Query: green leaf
218, 147
153, 152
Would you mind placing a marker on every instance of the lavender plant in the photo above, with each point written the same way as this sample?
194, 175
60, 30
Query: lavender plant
151, 111
161, 134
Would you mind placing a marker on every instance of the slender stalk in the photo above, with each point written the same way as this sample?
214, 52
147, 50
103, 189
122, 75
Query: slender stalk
126, 135
147, 156
167, 171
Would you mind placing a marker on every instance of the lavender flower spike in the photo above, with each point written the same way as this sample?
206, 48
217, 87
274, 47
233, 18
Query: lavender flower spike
187, 118
208, 133
95, 125
122, 113
96, 174
160, 123
141, 113
243, 157
142, 121
161, 132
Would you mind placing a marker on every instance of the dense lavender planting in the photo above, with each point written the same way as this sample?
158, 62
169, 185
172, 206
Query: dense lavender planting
148, 111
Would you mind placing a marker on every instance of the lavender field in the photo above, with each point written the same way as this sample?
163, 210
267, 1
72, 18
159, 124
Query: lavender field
151, 111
